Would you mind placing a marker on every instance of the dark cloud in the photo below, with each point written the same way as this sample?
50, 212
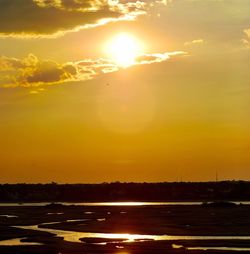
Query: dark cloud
48, 72
34, 18
31, 71
27, 17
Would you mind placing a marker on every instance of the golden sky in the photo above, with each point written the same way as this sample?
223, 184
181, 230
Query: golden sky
109, 90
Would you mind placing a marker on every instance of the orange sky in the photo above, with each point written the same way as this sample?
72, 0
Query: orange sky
168, 101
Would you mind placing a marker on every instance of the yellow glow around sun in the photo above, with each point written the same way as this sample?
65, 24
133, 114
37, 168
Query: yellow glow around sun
123, 49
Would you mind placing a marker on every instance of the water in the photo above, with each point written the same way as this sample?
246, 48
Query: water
176, 246
72, 236
8, 216
219, 248
55, 213
17, 242
104, 203
116, 203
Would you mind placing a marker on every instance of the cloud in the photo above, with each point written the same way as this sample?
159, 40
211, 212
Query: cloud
53, 18
157, 58
33, 92
33, 72
196, 41
246, 40
36, 91
247, 32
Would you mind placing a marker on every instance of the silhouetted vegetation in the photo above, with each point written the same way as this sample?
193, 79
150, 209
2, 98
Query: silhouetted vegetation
54, 206
178, 191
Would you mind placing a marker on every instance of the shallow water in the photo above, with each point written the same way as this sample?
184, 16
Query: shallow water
55, 213
116, 203
73, 236
8, 216
176, 246
104, 203
219, 248
17, 242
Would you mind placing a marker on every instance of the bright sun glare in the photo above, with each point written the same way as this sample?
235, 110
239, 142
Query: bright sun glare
123, 49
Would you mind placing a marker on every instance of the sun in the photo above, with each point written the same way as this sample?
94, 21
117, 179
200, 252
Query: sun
123, 49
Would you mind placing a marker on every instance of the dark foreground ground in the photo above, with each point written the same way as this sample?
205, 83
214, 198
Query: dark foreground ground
171, 220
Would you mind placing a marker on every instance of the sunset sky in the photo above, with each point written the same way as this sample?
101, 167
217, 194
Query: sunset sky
109, 90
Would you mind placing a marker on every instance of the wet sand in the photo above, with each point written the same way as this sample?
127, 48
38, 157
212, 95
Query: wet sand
176, 220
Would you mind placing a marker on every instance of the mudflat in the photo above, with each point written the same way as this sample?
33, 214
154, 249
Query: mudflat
179, 221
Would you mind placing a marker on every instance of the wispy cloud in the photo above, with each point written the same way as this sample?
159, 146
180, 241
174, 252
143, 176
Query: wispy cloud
246, 40
157, 58
196, 41
33, 72
247, 32
53, 18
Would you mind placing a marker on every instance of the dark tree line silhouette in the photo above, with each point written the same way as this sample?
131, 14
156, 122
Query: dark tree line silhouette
177, 191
